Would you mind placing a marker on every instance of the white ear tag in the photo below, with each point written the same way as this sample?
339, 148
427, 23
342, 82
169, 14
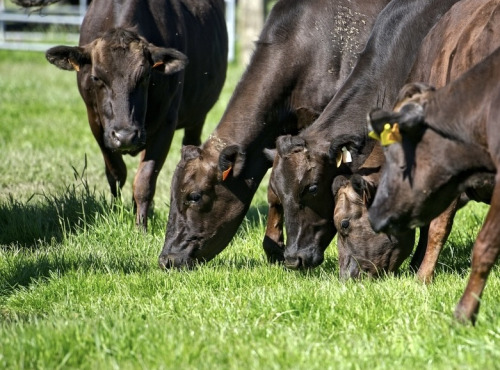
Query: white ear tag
346, 155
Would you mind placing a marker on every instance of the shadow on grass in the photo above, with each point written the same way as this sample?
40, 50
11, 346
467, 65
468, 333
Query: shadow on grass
46, 217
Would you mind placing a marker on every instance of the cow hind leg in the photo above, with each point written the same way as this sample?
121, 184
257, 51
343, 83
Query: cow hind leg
484, 254
273, 240
438, 233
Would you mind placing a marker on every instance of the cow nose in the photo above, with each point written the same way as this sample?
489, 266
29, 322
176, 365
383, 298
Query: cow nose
125, 137
293, 263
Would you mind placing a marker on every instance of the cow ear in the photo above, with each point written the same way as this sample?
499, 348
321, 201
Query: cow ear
288, 144
270, 154
167, 60
338, 182
190, 152
377, 119
411, 118
69, 58
231, 161
364, 188
410, 90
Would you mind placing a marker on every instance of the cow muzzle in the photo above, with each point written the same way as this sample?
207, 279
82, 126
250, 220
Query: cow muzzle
128, 140
173, 260
303, 260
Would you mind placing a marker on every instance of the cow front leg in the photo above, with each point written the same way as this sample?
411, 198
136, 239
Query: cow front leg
273, 240
438, 233
152, 160
116, 171
484, 254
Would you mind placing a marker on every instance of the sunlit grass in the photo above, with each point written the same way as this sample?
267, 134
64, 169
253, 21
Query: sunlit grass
80, 286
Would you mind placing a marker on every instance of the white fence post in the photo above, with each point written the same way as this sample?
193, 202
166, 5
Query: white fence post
231, 27
2, 24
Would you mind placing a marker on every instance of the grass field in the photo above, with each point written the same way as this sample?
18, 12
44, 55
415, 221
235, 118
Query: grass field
80, 287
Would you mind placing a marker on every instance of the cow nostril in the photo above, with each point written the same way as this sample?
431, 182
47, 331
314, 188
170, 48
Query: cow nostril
165, 262
294, 263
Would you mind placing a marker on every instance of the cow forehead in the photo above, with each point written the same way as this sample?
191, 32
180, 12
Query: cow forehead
104, 51
295, 167
197, 172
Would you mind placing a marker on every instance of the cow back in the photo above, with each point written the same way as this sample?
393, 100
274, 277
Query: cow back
463, 37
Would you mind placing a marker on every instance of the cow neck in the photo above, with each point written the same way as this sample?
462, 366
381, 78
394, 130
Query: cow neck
381, 70
476, 91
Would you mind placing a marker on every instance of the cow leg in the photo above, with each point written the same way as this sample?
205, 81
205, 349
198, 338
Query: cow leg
419, 254
152, 160
116, 171
273, 243
484, 254
192, 134
438, 233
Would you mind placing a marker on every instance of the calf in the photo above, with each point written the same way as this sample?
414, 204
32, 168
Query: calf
465, 35
449, 136
134, 77
305, 51
303, 171
360, 249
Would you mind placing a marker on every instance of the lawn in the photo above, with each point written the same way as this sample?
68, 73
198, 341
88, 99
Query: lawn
80, 286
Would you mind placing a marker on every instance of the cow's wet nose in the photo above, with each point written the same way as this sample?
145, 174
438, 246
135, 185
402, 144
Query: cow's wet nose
293, 263
125, 138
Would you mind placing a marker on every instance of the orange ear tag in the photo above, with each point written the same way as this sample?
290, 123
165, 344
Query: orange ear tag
75, 66
225, 173
157, 64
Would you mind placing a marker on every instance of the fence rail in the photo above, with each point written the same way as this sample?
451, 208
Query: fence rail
67, 15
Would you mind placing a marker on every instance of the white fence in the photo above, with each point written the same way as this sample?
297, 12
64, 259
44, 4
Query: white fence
65, 15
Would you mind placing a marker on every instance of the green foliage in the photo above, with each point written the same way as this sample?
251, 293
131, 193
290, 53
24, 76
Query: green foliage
80, 286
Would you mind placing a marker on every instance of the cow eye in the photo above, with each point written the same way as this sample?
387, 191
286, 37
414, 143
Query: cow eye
94, 78
194, 197
344, 224
313, 189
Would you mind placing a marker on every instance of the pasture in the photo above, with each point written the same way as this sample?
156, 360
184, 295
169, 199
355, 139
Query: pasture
80, 286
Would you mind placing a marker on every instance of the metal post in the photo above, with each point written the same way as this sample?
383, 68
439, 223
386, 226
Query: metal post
231, 27
2, 23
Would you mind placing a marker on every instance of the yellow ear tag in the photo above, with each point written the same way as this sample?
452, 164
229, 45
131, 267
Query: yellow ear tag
390, 135
339, 159
225, 173
374, 135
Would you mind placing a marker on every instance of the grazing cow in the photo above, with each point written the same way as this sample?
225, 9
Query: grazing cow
134, 77
213, 185
465, 35
450, 137
360, 248
304, 170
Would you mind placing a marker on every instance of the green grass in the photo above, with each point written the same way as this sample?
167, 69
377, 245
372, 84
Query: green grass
80, 287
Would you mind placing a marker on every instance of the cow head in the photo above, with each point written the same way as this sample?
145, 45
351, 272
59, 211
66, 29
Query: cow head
301, 178
425, 171
360, 248
208, 202
114, 73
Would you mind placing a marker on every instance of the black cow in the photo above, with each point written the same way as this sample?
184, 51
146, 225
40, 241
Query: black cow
134, 77
305, 166
449, 143
465, 35
305, 51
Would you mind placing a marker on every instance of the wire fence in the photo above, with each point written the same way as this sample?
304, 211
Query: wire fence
24, 29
